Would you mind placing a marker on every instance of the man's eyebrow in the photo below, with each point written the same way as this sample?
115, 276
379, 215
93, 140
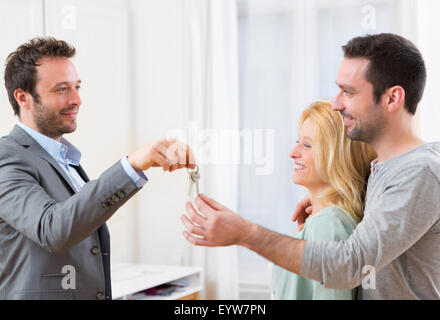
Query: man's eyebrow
345, 87
64, 83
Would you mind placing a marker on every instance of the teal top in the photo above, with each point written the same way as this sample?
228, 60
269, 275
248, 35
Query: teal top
330, 224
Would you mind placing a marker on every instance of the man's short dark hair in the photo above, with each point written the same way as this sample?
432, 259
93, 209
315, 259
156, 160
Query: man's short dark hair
21, 71
394, 61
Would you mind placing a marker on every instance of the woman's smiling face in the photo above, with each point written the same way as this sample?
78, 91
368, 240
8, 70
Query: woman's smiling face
305, 172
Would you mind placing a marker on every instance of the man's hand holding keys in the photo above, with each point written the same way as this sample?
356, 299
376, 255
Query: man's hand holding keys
168, 153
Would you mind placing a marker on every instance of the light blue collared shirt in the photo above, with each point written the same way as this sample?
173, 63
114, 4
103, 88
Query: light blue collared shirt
67, 155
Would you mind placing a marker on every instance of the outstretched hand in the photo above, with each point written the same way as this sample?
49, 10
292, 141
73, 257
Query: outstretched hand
168, 153
216, 225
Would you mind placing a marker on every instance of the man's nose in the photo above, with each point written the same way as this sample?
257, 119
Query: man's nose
337, 103
75, 99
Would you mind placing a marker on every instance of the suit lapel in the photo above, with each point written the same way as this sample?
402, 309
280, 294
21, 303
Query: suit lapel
21, 137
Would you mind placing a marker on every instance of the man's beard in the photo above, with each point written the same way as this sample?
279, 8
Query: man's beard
367, 131
50, 123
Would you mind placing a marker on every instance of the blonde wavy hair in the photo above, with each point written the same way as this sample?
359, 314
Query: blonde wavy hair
342, 163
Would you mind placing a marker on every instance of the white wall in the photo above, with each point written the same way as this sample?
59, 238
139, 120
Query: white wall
26, 17
429, 109
160, 105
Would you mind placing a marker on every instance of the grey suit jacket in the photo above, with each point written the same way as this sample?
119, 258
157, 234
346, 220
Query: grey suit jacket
45, 225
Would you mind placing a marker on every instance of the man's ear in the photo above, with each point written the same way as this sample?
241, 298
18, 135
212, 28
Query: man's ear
395, 98
23, 98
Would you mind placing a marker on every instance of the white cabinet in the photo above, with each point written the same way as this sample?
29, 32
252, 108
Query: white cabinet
131, 282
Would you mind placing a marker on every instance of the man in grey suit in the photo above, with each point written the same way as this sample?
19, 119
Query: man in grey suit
54, 242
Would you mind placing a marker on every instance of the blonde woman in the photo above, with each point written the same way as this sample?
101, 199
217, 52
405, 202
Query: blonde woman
335, 170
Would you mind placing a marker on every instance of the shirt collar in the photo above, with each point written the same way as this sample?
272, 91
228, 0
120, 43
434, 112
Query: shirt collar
63, 150
374, 165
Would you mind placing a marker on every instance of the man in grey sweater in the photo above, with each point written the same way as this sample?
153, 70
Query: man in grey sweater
396, 246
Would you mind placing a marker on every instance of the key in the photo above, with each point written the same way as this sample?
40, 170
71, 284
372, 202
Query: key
194, 177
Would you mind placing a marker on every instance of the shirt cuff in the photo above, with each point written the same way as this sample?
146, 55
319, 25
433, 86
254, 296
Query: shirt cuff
138, 178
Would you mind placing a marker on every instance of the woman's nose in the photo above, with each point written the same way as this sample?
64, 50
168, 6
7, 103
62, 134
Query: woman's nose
294, 154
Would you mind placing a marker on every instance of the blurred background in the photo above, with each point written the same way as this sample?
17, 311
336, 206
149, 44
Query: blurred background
230, 77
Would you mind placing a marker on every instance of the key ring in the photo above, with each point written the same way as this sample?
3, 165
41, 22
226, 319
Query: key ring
196, 170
